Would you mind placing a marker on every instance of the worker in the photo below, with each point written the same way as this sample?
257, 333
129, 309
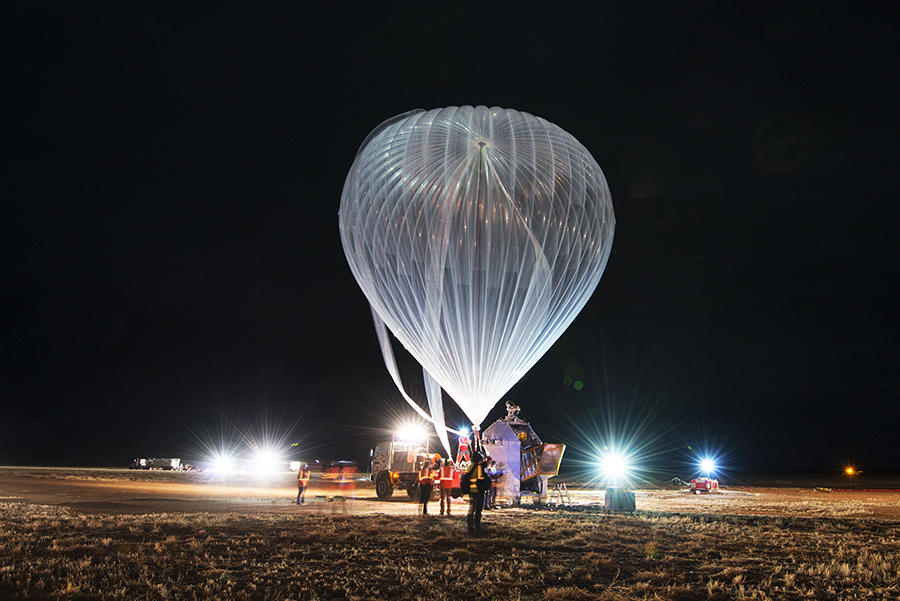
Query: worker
302, 483
478, 484
493, 473
426, 481
436, 472
330, 484
347, 485
446, 484
331, 476
500, 471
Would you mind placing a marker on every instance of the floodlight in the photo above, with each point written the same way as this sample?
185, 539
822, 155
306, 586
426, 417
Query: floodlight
222, 463
707, 465
614, 466
267, 460
411, 432
850, 470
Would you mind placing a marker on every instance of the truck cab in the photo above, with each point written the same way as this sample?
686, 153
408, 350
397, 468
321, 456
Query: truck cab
395, 464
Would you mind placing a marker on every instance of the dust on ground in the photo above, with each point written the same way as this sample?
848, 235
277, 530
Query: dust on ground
137, 491
117, 535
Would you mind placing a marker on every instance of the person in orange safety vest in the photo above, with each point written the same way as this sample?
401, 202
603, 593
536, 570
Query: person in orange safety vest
446, 484
302, 483
426, 481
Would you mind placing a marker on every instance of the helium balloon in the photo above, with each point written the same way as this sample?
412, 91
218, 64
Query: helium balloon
477, 235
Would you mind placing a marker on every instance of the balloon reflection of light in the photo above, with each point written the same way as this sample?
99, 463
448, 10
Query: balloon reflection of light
477, 235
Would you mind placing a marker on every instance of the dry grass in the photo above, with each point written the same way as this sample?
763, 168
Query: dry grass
53, 553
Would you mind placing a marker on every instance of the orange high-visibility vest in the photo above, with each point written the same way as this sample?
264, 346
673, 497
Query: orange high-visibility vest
303, 477
425, 476
447, 476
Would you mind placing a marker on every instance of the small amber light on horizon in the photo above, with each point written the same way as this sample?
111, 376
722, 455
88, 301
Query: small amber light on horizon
850, 470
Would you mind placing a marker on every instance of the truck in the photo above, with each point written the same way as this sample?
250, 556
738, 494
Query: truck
395, 464
157, 463
702, 485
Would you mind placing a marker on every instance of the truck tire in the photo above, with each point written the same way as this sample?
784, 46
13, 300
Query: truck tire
413, 491
383, 487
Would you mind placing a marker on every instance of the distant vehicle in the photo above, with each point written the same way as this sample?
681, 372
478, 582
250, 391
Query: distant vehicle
395, 464
157, 463
702, 485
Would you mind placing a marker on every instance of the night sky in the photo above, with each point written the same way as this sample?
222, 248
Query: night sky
172, 272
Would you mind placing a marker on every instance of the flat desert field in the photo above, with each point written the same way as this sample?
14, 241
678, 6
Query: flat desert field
119, 534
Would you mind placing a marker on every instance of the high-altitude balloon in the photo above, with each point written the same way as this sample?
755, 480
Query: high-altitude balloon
477, 235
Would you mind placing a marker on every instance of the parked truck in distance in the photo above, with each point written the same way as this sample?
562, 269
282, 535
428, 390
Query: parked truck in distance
396, 463
157, 463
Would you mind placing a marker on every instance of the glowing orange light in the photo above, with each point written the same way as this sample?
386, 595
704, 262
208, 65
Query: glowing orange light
850, 470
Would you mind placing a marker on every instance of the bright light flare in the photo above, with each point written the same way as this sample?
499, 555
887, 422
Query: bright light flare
850, 470
707, 466
411, 433
222, 463
614, 466
267, 461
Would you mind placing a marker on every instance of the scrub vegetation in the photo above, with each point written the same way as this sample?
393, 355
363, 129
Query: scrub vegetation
50, 552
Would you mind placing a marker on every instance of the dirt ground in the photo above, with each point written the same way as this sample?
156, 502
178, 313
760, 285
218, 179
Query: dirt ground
134, 491
120, 534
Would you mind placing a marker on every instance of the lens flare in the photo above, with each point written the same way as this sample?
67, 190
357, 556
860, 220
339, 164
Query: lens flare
222, 463
614, 466
267, 460
411, 432
707, 465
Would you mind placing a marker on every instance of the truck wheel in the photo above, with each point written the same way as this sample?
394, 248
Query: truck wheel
383, 487
413, 491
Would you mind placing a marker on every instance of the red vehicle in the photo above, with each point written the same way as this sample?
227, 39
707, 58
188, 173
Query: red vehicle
700, 485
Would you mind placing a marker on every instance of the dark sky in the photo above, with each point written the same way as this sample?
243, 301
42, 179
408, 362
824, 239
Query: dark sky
172, 273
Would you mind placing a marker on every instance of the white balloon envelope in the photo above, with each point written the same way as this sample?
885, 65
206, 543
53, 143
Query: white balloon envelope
477, 234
